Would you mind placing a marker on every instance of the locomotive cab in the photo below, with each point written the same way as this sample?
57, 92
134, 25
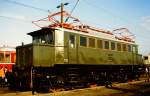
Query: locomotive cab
43, 36
45, 50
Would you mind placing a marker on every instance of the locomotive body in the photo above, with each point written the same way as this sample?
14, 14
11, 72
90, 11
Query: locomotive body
60, 57
73, 47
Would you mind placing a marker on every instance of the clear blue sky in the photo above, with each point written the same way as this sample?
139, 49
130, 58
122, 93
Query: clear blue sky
15, 19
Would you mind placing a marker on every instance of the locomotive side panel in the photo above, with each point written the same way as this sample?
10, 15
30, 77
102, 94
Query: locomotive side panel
35, 55
24, 56
43, 55
99, 56
75, 53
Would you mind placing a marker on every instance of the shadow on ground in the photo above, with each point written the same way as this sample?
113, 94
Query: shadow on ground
140, 89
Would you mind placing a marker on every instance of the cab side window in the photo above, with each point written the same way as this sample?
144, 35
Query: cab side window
83, 41
106, 44
118, 47
134, 49
100, 44
129, 48
113, 45
92, 42
124, 47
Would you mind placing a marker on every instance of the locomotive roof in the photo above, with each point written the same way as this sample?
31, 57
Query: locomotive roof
96, 35
40, 32
91, 33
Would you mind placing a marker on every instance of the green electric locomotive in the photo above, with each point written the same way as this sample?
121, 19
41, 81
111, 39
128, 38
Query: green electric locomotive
67, 56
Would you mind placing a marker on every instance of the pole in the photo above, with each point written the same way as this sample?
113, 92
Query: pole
62, 8
31, 71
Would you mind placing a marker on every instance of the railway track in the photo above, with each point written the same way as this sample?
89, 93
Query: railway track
134, 88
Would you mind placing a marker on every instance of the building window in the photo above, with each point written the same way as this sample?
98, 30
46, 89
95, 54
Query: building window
124, 46
118, 47
100, 44
83, 41
72, 41
92, 42
129, 48
1, 57
7, 57
106, 44
113, 45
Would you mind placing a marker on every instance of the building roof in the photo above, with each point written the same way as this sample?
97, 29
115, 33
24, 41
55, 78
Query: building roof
7, 48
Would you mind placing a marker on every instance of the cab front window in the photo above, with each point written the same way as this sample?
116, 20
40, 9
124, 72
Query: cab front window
44, 38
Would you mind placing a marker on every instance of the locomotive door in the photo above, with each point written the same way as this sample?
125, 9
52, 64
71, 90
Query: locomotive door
59, 49
134, 55
72, 49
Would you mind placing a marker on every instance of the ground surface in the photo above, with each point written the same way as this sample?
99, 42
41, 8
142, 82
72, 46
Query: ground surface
134, 88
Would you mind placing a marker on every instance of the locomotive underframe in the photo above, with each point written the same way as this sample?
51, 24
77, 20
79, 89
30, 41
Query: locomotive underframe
72, 76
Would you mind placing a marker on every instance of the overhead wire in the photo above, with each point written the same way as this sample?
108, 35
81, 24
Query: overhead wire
113, 14
36, 8
44, 10
25, 5
106, 11
72, 10
90, 20
6, 17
